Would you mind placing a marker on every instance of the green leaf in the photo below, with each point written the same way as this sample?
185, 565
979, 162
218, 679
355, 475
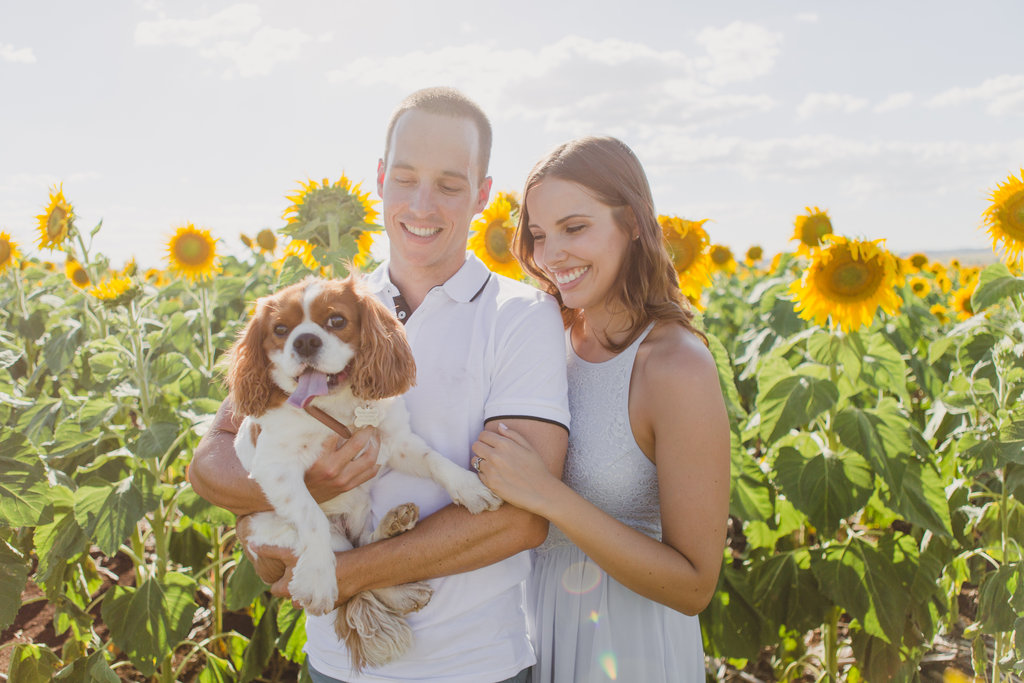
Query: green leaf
261, 646
91, 669
786, 592
60, 350
243, 585
25, 496
864, 582
107, 512
155, 441
14, 568
291, 624
148, 622
995, 611
827, 487
994, 284
792, 402
920, 496
733, 625
56, 543
199, 510
32, 663
216, 670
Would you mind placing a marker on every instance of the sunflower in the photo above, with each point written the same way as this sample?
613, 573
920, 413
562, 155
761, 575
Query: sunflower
266, 241
246, 240
115, 291
810, 229
847, 281
920, 286
722, 259
9, 253
687, 244
76, 273
302, 250
940, 312
192, 253
492, 236
56, 223
156, 276
365, 243
130, 268
754, 254
1005, 219
943, 282
918, 261
319, 206
962, 302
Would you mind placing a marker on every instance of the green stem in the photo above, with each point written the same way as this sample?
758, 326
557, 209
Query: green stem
204, 301
830, 641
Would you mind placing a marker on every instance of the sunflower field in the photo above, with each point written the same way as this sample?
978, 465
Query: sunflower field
876, 404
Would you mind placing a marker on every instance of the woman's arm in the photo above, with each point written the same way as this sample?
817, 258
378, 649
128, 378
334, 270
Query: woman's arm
676, 405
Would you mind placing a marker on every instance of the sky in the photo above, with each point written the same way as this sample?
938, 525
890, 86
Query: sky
897, 117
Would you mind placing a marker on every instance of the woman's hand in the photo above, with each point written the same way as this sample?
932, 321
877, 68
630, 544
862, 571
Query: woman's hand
510, 467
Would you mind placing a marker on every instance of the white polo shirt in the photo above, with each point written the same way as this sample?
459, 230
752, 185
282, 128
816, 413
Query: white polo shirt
486, 347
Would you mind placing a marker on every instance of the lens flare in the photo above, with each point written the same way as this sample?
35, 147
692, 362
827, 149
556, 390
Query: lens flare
594, 616
581, 577
609, 665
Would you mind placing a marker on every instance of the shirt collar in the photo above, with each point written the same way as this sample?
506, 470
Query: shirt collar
462, 287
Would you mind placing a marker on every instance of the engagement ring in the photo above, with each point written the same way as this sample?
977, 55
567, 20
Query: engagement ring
476, 463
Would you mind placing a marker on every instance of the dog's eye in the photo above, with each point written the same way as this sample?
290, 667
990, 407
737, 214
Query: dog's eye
336, 322
280, 330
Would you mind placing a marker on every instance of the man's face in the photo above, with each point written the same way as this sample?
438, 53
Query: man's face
431, 189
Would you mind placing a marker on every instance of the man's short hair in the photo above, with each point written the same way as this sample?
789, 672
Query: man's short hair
446, 102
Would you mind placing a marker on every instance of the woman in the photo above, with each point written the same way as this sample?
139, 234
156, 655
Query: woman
638, 521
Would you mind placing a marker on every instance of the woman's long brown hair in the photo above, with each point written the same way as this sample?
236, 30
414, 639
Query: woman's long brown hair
648, 287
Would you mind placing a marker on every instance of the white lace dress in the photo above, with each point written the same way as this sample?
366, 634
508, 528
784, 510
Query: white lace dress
588, 627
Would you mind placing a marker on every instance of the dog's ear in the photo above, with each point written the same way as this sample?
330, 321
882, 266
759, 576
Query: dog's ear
384, 365
249, 382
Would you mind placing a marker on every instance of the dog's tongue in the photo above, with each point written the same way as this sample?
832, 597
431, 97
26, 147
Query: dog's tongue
311, 384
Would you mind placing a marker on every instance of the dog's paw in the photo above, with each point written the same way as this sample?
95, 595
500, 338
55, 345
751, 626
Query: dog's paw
398, 519
406, 598
313, 584
475, 496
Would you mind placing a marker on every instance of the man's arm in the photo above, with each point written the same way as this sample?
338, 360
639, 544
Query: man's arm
452, 540
218, 476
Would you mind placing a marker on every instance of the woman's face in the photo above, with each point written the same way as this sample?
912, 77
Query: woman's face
576, 241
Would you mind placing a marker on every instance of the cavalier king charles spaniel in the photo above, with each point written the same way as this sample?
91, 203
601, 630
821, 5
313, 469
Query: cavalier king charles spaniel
329, 346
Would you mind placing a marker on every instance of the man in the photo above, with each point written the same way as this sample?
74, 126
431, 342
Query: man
487, 349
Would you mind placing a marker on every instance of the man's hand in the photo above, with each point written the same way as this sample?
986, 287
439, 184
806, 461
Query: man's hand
343, 465
270, 561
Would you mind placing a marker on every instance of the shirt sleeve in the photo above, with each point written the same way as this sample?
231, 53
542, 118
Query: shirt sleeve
529, 378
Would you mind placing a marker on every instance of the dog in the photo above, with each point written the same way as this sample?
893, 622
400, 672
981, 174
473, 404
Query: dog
329, 346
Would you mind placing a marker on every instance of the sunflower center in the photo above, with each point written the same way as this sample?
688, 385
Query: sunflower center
192, 250
79, 276
721, 256
496, 238
266, 239
848, 279
5, 251
1012, 217
56, 222
813, 229
684, 252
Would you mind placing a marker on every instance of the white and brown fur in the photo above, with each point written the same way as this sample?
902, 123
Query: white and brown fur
277, 442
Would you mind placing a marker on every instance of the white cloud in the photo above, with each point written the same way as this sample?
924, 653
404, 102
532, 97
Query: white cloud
235, 34
1002, 94
19, 55
738, 52
816, 103
575, 84
895, 101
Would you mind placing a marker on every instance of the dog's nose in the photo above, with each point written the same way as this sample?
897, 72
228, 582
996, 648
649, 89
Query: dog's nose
307, 344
